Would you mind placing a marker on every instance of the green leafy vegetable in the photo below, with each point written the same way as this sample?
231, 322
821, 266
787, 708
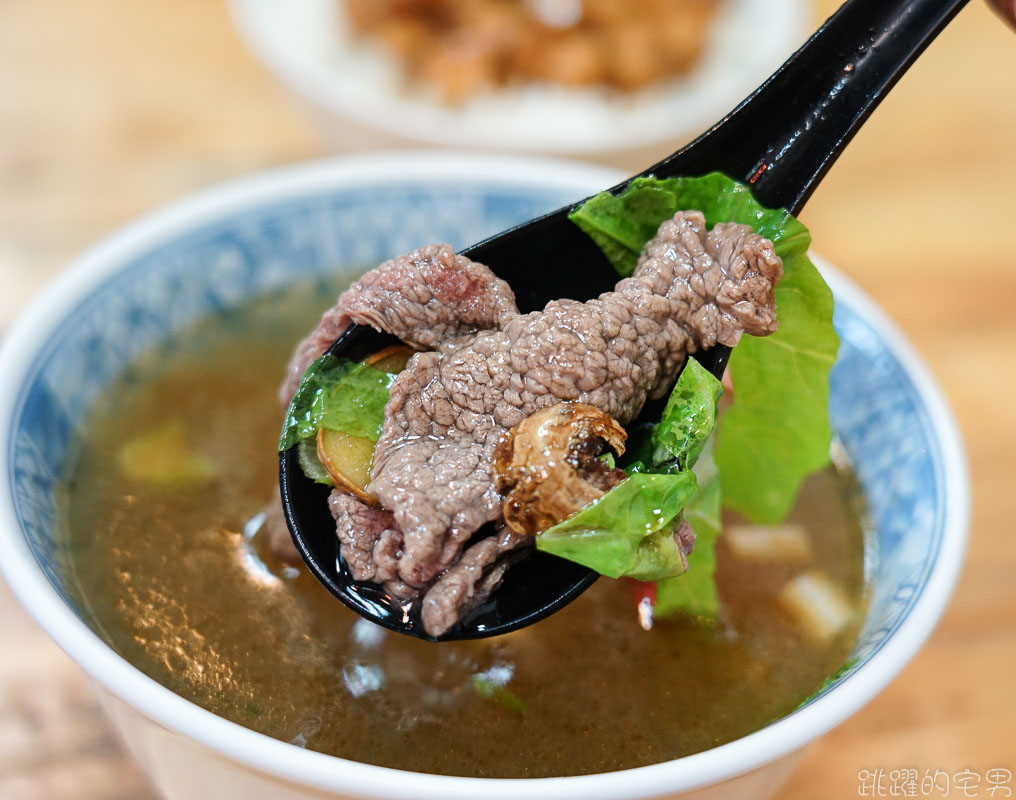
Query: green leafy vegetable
688, 418
310, 463
621, 225
777, 432
695, 592
303, 416
340, 395
486, 687
628, 531
357, 405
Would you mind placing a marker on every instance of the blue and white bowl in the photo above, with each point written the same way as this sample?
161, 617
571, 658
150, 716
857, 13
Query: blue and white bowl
145, 284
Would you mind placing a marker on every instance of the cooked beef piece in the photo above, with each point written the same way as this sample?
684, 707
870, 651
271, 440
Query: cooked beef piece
433, 462
685, 538
365, 527
469, 581
719, 285
426, 298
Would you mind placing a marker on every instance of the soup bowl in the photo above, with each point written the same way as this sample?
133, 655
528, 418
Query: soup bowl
147, 283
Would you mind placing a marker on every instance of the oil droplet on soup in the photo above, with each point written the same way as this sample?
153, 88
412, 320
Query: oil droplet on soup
171, 571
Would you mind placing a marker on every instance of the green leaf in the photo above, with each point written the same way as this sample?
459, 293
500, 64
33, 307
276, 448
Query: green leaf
777, 430
357, 404
338, 394
628, 531
593, 536
621, 225
688, 418
694, 593
302, 420
311, 465
485, 687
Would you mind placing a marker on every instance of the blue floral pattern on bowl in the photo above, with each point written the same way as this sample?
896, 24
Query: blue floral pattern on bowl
876, 408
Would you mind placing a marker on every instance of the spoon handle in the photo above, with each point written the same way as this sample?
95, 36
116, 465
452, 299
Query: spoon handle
784, 137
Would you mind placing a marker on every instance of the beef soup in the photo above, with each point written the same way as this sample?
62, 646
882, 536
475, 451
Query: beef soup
170, 547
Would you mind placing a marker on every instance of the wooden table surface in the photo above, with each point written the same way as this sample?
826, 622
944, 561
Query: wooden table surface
109, 109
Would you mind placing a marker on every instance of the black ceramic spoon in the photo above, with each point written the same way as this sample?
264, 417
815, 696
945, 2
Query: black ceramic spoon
781, 141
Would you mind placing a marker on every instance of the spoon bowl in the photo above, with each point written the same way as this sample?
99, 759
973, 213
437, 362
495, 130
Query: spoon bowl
780, 141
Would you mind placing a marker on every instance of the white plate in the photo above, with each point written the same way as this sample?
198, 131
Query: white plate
307, 45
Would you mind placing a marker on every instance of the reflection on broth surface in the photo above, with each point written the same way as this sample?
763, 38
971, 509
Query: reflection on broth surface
164, 503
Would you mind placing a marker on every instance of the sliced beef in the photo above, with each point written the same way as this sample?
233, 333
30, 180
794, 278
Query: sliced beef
426, 297
363, 528
684, 535
719, 285
469, 581
490, 367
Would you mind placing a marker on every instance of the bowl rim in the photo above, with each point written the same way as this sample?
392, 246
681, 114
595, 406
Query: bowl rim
787, 24
274, 757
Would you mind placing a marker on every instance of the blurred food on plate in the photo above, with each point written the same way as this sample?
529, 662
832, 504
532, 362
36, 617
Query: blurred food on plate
606, 78
461, 47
